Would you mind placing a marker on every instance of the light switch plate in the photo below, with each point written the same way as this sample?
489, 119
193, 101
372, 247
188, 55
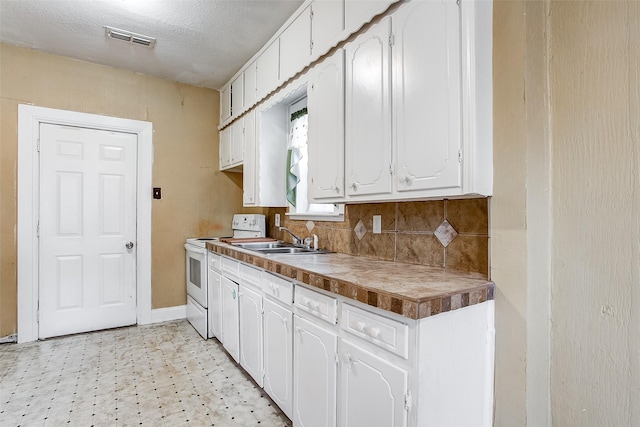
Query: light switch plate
277, 220
377, 224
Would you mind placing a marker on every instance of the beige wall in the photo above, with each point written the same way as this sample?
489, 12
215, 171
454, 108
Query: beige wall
565, 216
197, 198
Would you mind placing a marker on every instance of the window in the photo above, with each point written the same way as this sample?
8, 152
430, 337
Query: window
297, 171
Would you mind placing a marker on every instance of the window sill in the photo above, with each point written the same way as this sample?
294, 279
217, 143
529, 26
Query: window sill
316, 217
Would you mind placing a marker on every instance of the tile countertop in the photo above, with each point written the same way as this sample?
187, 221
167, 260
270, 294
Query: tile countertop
413, 291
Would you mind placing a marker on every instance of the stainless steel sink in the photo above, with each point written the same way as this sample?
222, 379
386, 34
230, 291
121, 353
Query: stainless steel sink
279, 248
258, 246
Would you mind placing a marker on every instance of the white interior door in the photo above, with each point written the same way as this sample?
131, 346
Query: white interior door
87, 278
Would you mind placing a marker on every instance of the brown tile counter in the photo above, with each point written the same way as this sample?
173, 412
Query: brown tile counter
414, 291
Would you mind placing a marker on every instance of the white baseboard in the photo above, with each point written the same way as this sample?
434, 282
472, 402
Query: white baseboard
168, 313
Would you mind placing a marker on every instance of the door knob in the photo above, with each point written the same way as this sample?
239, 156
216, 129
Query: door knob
129, 245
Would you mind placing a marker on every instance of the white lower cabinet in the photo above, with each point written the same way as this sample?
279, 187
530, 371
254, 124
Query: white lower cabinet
230, 323
251, 332
315, 351
215, 303
328, 361
278, 355
373, 392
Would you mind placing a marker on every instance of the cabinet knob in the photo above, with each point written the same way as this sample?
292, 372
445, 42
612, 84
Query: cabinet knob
129, 245
354, 186
374, 332
406, 180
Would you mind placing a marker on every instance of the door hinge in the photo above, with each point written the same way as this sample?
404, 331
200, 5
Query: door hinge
337, 358
38, 312
311, 15
38, 230
392, 39
391, 172
38, 145
460, 155
408, 402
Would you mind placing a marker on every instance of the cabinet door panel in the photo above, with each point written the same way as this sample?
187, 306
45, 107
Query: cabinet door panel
426, 99
225, 147
237, 95
249, 169
250, 85
278, 355
327, 25
326, 128
251, 332
295, 45
368, 114
268, 70
215, 304
237, 141
225, 103
314, 375
230, 322
372, 390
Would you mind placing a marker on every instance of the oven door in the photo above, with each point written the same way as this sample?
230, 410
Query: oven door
197, 273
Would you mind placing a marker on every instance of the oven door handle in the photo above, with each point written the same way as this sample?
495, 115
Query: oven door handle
191, 248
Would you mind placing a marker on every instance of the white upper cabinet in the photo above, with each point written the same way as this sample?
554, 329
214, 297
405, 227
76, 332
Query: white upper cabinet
237, 95
225, 103
359, 12
325, 95
225, 148
327, 26
368, 113
268, 70
249, 164
250, 85
426, 96
232, 146
295, 46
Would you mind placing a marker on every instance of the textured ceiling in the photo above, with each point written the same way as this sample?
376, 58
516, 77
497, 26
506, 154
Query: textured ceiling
200, 42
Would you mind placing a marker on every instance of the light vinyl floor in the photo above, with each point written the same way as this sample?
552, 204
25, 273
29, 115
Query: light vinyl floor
153, 375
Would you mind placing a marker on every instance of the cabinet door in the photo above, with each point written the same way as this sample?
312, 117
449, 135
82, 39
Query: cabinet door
237, 95
237, 142
249, 169
278, 355
426, 95
295, 45
368, 112
250, 85
359, 12
250, 303
314, 376
215, 304
225, 103
326, 129
327, 26
372, 390
230, 323
268, 70
225, 147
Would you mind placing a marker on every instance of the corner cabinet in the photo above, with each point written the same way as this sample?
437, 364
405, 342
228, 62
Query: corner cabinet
232, 140
325, 102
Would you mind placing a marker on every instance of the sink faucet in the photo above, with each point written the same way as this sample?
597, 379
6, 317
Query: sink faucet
296, 239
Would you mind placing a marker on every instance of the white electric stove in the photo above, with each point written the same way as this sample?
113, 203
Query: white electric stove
243, 225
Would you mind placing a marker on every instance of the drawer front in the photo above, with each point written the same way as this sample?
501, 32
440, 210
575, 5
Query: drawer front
215, 261
250, 275
379, 330
278, 288
317, 304
231, 268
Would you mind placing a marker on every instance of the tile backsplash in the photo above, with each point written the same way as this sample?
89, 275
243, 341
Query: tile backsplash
452, 234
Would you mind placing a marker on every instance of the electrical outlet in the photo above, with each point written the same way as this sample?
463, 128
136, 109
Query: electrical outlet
277, 220
377, 224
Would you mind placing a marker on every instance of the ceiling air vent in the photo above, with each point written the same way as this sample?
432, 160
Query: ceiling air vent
129, 37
